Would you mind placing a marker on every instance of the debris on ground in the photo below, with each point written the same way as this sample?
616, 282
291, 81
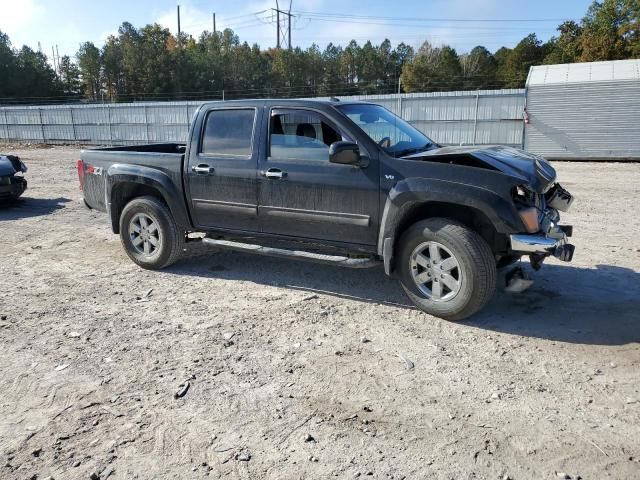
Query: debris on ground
409, 365
182, 389
243, 456
517, 281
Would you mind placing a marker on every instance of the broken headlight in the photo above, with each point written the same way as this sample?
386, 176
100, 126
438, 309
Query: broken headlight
524, 195
526, 203
558, 198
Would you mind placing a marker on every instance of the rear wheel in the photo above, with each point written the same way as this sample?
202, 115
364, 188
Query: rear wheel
446, 269
149, 234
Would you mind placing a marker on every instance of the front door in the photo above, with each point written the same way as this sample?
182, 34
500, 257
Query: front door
221, 170
302, 194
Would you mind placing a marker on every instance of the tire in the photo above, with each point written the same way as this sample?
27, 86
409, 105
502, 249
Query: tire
164, 241
468, 265
507, 261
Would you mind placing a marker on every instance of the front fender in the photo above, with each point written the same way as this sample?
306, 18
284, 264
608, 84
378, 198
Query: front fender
119, 175
412, 192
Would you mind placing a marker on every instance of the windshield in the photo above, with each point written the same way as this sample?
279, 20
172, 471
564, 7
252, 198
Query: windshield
396, 136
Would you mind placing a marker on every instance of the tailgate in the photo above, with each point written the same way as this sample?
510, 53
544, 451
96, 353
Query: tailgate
92, 184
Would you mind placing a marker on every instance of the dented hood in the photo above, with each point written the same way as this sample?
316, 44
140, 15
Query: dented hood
10, 165
526, 167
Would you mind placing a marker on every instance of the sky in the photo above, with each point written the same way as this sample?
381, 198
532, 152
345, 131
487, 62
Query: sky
462, 24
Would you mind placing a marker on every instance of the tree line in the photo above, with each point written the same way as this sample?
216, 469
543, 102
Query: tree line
150, 63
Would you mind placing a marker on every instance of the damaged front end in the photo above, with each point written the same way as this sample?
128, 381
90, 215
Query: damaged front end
545, 237
12, 182
536, 195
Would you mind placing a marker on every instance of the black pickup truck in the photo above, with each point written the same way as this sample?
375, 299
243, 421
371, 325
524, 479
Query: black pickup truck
344, 183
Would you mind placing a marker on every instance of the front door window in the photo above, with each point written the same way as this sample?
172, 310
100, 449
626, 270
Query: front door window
301, 135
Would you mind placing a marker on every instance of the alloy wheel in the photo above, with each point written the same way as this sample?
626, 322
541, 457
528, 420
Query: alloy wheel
435, 271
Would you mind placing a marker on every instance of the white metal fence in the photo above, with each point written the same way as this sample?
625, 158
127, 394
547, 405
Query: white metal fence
483, 117
450, 118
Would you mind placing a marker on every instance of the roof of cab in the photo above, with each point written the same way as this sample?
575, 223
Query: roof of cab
301, 102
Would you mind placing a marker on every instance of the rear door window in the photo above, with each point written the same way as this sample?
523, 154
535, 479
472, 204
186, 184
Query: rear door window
229, 132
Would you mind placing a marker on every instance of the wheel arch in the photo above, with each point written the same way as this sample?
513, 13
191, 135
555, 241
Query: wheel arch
483, 211
126, 182
471, 217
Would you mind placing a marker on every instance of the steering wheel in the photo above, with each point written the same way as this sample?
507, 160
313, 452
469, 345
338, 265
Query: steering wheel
385, 142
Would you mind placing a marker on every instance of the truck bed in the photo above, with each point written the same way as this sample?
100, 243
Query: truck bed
99, 163
148, 148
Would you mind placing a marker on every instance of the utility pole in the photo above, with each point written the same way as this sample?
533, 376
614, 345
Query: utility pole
283, 33
178, 59
214, 22
178, 24
55, 66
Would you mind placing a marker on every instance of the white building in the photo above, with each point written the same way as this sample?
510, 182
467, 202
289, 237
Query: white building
585, 111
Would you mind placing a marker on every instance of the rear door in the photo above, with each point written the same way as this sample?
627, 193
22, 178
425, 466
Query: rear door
221, 169
302, 194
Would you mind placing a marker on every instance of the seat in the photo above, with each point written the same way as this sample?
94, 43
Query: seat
306, 130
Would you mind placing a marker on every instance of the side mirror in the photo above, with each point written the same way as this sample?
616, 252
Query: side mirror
345, 153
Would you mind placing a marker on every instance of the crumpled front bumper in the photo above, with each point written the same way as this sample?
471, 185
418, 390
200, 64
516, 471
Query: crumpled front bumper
554, 242
12, 187
552, 238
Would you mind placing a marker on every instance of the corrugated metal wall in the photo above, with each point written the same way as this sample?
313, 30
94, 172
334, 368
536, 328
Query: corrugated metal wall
594, 120
98, 124
483, 117
450, 118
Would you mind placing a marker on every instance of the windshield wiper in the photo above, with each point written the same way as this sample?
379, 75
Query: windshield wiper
409, 151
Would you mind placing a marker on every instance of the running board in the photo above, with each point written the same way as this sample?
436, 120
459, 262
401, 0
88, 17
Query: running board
364, 262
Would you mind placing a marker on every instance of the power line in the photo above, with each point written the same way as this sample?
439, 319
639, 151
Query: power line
243, 23
372, 22
253, 14
227, 20
428, 20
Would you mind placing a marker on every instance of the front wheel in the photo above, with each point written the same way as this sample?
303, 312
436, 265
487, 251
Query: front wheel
149, 234
446, 269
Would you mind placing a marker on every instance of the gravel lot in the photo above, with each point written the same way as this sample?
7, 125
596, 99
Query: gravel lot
539, 385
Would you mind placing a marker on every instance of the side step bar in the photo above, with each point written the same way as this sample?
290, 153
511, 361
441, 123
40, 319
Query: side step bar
364, 262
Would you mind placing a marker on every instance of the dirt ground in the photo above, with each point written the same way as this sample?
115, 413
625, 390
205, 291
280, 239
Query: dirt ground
542, 385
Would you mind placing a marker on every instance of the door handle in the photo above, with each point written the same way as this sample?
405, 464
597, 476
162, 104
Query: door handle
274, 173
203, 169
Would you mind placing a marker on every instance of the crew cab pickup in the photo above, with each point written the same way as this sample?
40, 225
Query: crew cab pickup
344, 183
